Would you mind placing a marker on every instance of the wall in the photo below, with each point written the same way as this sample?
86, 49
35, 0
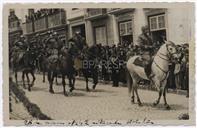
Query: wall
179, 26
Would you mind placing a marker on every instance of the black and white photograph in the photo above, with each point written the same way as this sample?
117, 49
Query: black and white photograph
111, 64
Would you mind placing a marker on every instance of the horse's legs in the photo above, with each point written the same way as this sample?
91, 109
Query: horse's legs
29, 86
133, 95
73, 77
56, 82
95, 79
16, 77
130, 87
34, 78
138, 98
87, 88
50, 79
64, 84
43, 76
158, 83
164, 96
23, 79
71, 84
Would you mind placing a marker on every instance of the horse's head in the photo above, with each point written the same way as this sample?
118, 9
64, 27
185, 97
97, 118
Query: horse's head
174, 52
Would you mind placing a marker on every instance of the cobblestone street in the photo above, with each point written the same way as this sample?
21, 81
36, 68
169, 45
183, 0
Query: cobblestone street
106, 102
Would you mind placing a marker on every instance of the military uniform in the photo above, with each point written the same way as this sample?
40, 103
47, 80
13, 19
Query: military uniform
146, 48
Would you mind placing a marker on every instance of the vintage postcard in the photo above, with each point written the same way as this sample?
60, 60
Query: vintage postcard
86, 64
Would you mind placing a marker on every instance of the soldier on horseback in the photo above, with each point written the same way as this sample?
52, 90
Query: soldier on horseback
146, 48
21, 44
19, 49
79, 40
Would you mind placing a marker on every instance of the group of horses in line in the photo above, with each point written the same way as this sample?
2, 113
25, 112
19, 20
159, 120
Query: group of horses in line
64, 66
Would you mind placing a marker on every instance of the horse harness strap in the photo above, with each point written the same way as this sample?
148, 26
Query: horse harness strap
162, 57
160, 68
166, 72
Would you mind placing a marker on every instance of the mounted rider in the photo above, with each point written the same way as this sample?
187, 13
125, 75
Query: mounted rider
20, 47
21, 44
146, 48
54, 47
79, 40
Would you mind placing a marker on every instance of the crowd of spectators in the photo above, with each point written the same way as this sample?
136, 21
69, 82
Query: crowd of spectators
41, 13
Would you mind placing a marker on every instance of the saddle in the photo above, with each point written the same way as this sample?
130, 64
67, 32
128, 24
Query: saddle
141, 63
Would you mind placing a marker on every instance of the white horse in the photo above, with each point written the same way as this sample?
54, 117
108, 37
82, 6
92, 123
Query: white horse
159, 70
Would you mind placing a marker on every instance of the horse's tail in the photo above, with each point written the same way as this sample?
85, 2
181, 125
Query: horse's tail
129, 82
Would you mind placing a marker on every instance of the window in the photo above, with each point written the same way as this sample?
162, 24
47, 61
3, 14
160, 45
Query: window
122, 29
158, 28
125, 28
129, 27
100, 35
157, 22
161, 21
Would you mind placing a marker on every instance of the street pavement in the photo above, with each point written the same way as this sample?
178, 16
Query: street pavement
106, 102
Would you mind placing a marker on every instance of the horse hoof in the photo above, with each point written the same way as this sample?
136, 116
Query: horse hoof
87, 90
132, 101
24, 87
51, 91
167, 107
43, 81
71, 89
29, 89
93, 87
155, 103
65, 94
140, 104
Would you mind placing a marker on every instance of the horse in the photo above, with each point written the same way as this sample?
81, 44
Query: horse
89, 68
25, 63
159, 71
60, 62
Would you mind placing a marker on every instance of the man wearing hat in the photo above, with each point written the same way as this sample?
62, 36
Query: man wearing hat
20, 48
145, 44
79, 40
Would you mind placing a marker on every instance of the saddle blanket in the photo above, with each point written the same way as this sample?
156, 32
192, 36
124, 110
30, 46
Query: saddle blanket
147, 67
78, 64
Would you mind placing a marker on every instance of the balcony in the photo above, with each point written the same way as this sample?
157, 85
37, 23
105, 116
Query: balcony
96, 13
56, 19
117, 11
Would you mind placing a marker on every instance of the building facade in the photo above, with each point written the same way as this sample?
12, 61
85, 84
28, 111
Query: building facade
109, 26
123, 25
45, 21
15, 30
76, 22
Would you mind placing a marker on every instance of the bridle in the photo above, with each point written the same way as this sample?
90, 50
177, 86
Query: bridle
167, 57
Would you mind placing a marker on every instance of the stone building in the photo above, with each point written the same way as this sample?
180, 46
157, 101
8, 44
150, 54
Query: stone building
15, 30
76, 21
110, 26
123, 25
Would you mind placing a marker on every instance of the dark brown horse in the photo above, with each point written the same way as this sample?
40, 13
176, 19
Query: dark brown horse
89, 68
59, 61
24, 61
